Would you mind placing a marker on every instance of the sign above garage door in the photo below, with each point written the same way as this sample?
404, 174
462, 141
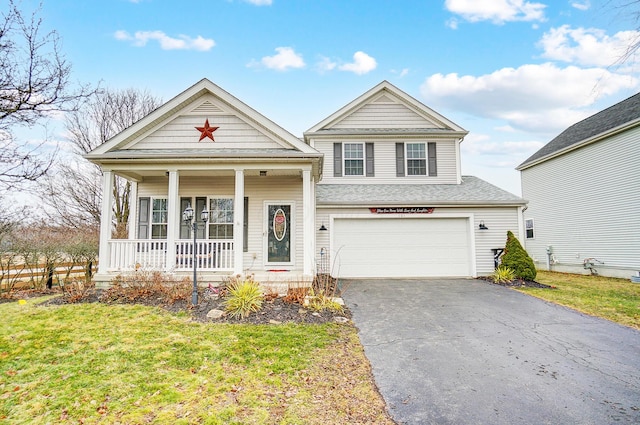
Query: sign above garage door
402, 210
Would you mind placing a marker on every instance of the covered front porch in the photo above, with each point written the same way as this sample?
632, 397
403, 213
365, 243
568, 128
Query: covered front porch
247, 207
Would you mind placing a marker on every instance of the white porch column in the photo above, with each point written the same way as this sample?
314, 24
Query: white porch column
133, 210
106, 220
238, 224
173, 219
308, 218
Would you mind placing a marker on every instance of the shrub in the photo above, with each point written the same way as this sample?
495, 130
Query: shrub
503, 275
517, 259
243, 298
142, 284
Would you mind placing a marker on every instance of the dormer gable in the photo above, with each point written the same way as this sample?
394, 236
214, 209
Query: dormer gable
385, 107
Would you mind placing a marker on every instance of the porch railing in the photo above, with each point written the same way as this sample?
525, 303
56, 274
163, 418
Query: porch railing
211, 255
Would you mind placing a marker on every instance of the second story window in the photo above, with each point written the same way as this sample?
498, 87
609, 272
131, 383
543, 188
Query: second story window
416, 159
353, 159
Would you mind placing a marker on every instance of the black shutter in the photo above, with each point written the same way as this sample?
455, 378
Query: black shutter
433, 163
370, 161
245, 226
185, 229
400, 159
201, 204
143, 218
337, 160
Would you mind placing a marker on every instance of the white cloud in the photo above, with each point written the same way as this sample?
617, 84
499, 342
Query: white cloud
362, 64
260, 2
540, 98
586, 46
581, 5
496, 11
285, 59
183, 42
325, 64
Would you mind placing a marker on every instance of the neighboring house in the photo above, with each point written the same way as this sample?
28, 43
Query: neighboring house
374, 190
583, 189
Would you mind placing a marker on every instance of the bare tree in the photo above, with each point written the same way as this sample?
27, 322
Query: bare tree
74, 192
626, 10
34, 83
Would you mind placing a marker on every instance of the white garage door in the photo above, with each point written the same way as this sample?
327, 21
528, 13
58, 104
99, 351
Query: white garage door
388, 247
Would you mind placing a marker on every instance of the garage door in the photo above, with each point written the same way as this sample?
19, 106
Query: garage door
388, 247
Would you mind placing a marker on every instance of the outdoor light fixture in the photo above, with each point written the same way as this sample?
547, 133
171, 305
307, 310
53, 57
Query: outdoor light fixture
482, 226
322, 228
188, 218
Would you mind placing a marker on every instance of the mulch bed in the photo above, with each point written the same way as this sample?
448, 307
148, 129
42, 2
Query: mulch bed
273, 311
518, 283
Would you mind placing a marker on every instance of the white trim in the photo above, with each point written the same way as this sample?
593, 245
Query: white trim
470, 217
173, 217
238, 223
133, 210
105, 220
309, 220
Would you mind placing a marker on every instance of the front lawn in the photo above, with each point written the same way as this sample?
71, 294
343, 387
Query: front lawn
614, 299
130, 364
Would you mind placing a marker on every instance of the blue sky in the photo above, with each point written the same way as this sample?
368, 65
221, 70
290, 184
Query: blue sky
514, 73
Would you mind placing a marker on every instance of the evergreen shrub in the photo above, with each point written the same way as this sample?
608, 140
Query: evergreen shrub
516, 258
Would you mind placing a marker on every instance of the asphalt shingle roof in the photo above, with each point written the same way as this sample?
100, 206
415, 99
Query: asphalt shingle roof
621, 113
472, 191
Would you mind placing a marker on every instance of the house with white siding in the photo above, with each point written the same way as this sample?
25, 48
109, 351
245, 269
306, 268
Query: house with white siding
583, 189
374, 190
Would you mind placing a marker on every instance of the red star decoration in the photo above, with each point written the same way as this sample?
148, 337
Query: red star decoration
206, 131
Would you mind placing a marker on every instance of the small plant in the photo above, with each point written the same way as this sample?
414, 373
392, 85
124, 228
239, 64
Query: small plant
503, 275
320, 301
76, 291
516, 258
296, 294
243, 298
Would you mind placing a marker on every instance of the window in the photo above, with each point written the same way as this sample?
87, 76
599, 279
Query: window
159, 218
221, 218
416, 159
353, 159
528, 226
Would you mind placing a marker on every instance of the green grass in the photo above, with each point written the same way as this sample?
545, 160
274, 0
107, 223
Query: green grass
95, 363
614, 299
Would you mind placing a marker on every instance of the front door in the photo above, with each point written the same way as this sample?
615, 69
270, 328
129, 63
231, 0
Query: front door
279, 227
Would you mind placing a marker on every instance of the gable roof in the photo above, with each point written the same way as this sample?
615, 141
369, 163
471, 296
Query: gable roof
616, 118
124, 140
387, 93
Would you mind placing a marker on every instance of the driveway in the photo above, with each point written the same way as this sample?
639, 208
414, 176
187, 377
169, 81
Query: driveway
458, 351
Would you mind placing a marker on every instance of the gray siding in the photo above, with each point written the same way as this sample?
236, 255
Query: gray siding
585, 204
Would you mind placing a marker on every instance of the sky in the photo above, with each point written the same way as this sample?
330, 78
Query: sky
514, 73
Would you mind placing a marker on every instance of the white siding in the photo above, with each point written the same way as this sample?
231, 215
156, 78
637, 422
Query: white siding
181, 133
499, 220
385, 163
384, 115
258, 190
586, 203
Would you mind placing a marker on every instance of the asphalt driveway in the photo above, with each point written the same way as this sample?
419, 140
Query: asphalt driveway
460, 351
